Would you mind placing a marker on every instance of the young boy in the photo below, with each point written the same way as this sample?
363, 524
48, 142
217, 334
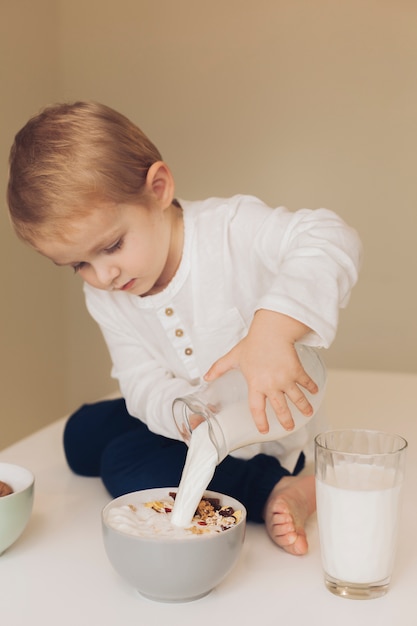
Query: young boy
182, 291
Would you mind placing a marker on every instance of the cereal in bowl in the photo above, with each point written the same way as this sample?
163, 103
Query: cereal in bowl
154, 518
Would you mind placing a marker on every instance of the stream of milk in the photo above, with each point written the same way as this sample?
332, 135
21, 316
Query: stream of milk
198, 471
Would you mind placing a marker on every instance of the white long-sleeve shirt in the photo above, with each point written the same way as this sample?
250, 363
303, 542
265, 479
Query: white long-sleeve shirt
239, 256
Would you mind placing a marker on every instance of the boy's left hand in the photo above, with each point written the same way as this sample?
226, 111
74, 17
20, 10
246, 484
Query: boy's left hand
269, 362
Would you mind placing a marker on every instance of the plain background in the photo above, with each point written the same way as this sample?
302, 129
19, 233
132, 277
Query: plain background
305, 103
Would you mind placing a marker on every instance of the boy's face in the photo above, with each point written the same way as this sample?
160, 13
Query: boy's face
128, 248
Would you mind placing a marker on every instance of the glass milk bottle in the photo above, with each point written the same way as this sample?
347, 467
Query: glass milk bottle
223, 404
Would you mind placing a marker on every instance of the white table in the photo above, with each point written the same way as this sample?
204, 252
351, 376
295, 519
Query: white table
57, 573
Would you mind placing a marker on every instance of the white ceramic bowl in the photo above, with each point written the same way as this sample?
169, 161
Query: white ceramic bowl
15, 509
169, 569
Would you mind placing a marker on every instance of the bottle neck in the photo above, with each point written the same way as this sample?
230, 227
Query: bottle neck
189, 412
217, 437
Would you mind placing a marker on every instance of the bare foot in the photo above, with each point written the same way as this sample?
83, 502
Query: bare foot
288, 507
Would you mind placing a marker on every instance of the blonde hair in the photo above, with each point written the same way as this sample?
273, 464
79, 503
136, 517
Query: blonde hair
70, 158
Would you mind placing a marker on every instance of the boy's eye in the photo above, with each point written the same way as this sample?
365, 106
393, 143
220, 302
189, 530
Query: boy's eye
78, 266
114, 247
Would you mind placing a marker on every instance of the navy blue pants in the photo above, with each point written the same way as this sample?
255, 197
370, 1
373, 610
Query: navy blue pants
103, 440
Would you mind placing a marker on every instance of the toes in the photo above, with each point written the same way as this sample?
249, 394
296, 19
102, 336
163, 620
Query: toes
285, 540
287, 509
281, 518
284, 529
293, 543
281, 510
299, 548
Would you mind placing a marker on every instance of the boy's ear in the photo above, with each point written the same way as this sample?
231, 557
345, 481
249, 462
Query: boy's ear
160, 183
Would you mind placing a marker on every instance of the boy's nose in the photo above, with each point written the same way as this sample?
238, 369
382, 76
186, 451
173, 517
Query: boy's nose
106, 274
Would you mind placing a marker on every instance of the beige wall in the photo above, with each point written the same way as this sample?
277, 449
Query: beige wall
302, 103
32, 330
52, 355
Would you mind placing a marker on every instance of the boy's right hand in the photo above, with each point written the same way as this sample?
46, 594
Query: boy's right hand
269, 362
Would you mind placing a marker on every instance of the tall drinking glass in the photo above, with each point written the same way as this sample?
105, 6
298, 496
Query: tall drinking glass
359, 474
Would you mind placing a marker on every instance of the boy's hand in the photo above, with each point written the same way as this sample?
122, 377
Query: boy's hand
270, 364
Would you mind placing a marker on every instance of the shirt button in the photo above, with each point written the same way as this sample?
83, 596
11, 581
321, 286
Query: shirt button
179, 332
169, 311
188, 351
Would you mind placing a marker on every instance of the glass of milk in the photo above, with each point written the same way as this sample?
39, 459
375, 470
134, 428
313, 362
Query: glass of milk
359, 474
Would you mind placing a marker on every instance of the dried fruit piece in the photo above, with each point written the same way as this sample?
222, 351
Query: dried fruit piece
210, 515
5, 489
226, 511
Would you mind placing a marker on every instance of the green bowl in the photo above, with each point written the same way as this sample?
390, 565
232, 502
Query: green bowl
16, 508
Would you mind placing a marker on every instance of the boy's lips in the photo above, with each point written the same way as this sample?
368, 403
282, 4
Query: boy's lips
127, 285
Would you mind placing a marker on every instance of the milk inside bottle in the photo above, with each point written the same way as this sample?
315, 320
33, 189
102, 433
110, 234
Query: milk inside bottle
216, 420
223, 403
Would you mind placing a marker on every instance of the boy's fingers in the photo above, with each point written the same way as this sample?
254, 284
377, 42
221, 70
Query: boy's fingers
282, 411
308, 383
195, 420
221, 366
257, 403
304, 406
299, 399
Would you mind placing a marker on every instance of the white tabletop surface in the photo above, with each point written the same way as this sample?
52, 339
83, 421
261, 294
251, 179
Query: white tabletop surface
58, 573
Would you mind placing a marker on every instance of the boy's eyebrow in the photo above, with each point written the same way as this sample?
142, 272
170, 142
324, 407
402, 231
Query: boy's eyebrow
102, 244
